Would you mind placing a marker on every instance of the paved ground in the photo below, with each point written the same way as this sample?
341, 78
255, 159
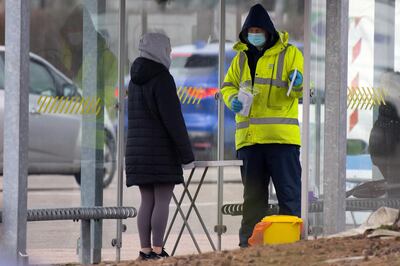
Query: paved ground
56, 241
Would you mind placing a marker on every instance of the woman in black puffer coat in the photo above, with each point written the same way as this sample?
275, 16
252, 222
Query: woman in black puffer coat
157, 143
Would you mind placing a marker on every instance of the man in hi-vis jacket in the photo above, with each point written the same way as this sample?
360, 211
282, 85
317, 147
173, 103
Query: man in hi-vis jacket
268, 137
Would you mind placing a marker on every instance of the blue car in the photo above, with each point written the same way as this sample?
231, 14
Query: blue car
195, 70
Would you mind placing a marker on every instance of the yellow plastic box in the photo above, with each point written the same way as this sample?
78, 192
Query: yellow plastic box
283, 229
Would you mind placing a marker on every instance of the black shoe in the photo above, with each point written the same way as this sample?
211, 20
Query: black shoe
243, 245
149, 256
163, 254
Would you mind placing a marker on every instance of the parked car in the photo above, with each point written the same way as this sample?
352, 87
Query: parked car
55, 138
195, 70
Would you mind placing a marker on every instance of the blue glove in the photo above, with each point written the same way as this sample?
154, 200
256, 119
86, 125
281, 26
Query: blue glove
236, 105
299, 78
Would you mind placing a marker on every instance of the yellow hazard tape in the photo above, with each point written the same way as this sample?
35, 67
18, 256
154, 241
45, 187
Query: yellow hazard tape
365, 97
190, 95
77, 105
70, 105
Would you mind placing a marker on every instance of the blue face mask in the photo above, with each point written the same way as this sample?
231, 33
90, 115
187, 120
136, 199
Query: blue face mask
256, 39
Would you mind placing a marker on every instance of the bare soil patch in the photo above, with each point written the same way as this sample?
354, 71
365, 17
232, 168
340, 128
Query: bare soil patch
357, 250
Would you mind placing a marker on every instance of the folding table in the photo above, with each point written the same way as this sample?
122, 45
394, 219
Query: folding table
219, 228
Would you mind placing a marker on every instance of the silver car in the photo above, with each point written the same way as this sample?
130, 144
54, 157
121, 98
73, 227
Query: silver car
55, 138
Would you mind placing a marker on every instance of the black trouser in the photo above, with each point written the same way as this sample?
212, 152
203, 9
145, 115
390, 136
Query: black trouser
281, 162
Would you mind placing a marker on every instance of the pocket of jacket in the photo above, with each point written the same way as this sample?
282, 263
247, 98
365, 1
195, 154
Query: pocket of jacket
278, 100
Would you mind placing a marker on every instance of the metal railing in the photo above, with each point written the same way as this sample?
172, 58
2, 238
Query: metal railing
318, 206
83, 213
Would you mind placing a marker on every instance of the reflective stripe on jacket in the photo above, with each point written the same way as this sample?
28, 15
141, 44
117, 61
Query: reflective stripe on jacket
273, 116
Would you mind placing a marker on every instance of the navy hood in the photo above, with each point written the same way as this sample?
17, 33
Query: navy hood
258, 17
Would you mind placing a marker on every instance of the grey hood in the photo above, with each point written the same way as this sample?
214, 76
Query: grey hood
156, 47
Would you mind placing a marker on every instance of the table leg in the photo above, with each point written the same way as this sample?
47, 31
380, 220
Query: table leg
190, 208
188, 227
185, 185
202, 222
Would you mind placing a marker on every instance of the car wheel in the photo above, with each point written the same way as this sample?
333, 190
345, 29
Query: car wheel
110, 163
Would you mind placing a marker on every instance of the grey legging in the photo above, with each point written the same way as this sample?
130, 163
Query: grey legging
153, 213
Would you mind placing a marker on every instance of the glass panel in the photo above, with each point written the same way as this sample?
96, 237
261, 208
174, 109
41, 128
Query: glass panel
373, 145
287, 16
72, 120
75, 55
317, 86
397, 37
192, 27
2, 72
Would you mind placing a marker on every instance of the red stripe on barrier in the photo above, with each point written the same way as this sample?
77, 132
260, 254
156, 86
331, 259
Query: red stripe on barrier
356, 50
353, 119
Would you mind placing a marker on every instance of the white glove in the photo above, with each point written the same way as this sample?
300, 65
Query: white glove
188, 166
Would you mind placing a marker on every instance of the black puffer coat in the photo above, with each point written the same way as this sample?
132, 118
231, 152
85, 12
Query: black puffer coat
157, 143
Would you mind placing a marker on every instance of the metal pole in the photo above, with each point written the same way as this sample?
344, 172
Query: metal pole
16, 126
144, 17
337, 12
92, 156
318, 139
221, 131
306, 118
238, 17
121, 125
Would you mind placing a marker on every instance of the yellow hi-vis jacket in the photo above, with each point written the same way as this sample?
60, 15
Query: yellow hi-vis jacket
273, 116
